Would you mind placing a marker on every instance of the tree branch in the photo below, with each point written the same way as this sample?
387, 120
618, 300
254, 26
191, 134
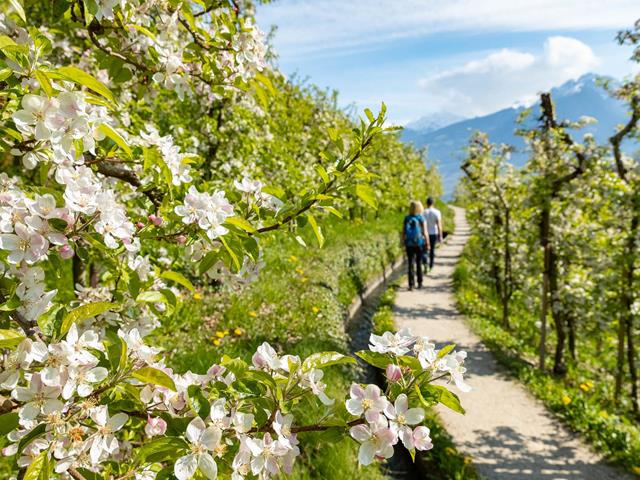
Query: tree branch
113, 170
620, 135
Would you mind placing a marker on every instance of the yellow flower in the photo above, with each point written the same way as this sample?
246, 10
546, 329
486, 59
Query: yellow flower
197, 296
293, 258
226, 332
636, 470
237, 331
584, 387
566, 400
450, 451
253, 314
315, 309
220, 334
299, 271
467, 460
216, 342
604, 414
303, 279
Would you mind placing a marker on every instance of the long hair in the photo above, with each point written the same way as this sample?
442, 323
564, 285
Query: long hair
415, 207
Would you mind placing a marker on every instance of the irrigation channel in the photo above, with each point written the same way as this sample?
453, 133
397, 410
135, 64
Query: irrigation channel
359, 326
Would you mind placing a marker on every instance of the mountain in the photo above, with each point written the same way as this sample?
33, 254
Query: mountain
573, 99
432, 122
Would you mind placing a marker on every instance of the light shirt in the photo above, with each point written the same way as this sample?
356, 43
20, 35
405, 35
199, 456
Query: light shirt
432, 216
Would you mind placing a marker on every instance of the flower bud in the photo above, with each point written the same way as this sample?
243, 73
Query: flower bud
393, 372
155, 426
139, 225
181, 239
66, 252
157, 221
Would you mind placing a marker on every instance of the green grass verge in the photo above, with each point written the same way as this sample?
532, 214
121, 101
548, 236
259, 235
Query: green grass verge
298, 305
580, 399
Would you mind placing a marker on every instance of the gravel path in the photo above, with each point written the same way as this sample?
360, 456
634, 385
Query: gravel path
507, 432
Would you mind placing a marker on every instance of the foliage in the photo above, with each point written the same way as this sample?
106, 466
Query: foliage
581, 398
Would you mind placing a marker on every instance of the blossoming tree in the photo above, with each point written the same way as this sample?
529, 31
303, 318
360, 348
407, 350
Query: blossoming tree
91, 190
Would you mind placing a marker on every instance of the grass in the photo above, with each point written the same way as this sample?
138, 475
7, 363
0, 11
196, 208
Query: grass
581, 399
298, 305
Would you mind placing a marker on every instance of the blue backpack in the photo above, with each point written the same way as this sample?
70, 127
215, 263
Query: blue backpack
413, 231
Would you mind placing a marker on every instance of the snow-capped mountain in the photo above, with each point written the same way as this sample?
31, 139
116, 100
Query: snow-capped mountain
573, 99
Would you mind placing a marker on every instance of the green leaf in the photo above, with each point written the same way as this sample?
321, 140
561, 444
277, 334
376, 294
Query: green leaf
38, 469
178, 278
8, 422
81, 77
241, 223
316, 229
369, 115
207, 262
367, 195
17, 6
151, 296
6, 41
159, 450
116, 137
26, 440
232, 254
83, 313
412, 362
332, 210
45, 83
10, 338
442, 395
376, 359
323, 173
326, 359
155, 377
198, 401
446, 350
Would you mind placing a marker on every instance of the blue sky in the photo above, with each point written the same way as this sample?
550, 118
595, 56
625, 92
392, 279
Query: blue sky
468, 57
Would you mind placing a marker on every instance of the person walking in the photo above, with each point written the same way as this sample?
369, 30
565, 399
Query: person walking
415, 240
433, 220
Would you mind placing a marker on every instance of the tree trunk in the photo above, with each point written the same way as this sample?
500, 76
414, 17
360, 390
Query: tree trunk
507, 277
571, 326
629, 301
544, 303
559, 367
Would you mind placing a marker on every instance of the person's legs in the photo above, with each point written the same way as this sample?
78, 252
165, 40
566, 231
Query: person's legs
419, 251
432, 251
410, 256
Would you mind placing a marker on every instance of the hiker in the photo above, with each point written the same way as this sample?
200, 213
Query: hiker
433, 219
414, 237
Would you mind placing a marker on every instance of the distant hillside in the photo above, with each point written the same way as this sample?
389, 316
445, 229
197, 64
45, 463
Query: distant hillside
573, 100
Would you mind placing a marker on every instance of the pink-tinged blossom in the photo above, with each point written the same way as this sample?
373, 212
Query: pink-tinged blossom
31, 119
425, 351
368, 401
402, 418
421, 438
396, 343
376, 441
265, 454
202, 441
155, 426
26, 244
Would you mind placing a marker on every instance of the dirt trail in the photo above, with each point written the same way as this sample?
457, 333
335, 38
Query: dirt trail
507, 432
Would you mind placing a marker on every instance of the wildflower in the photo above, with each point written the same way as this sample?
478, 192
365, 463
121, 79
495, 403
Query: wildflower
197, 296
237, 331
315, 309
253, 314
566, 400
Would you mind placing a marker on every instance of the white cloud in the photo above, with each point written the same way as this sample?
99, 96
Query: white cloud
309, 27
507, 76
